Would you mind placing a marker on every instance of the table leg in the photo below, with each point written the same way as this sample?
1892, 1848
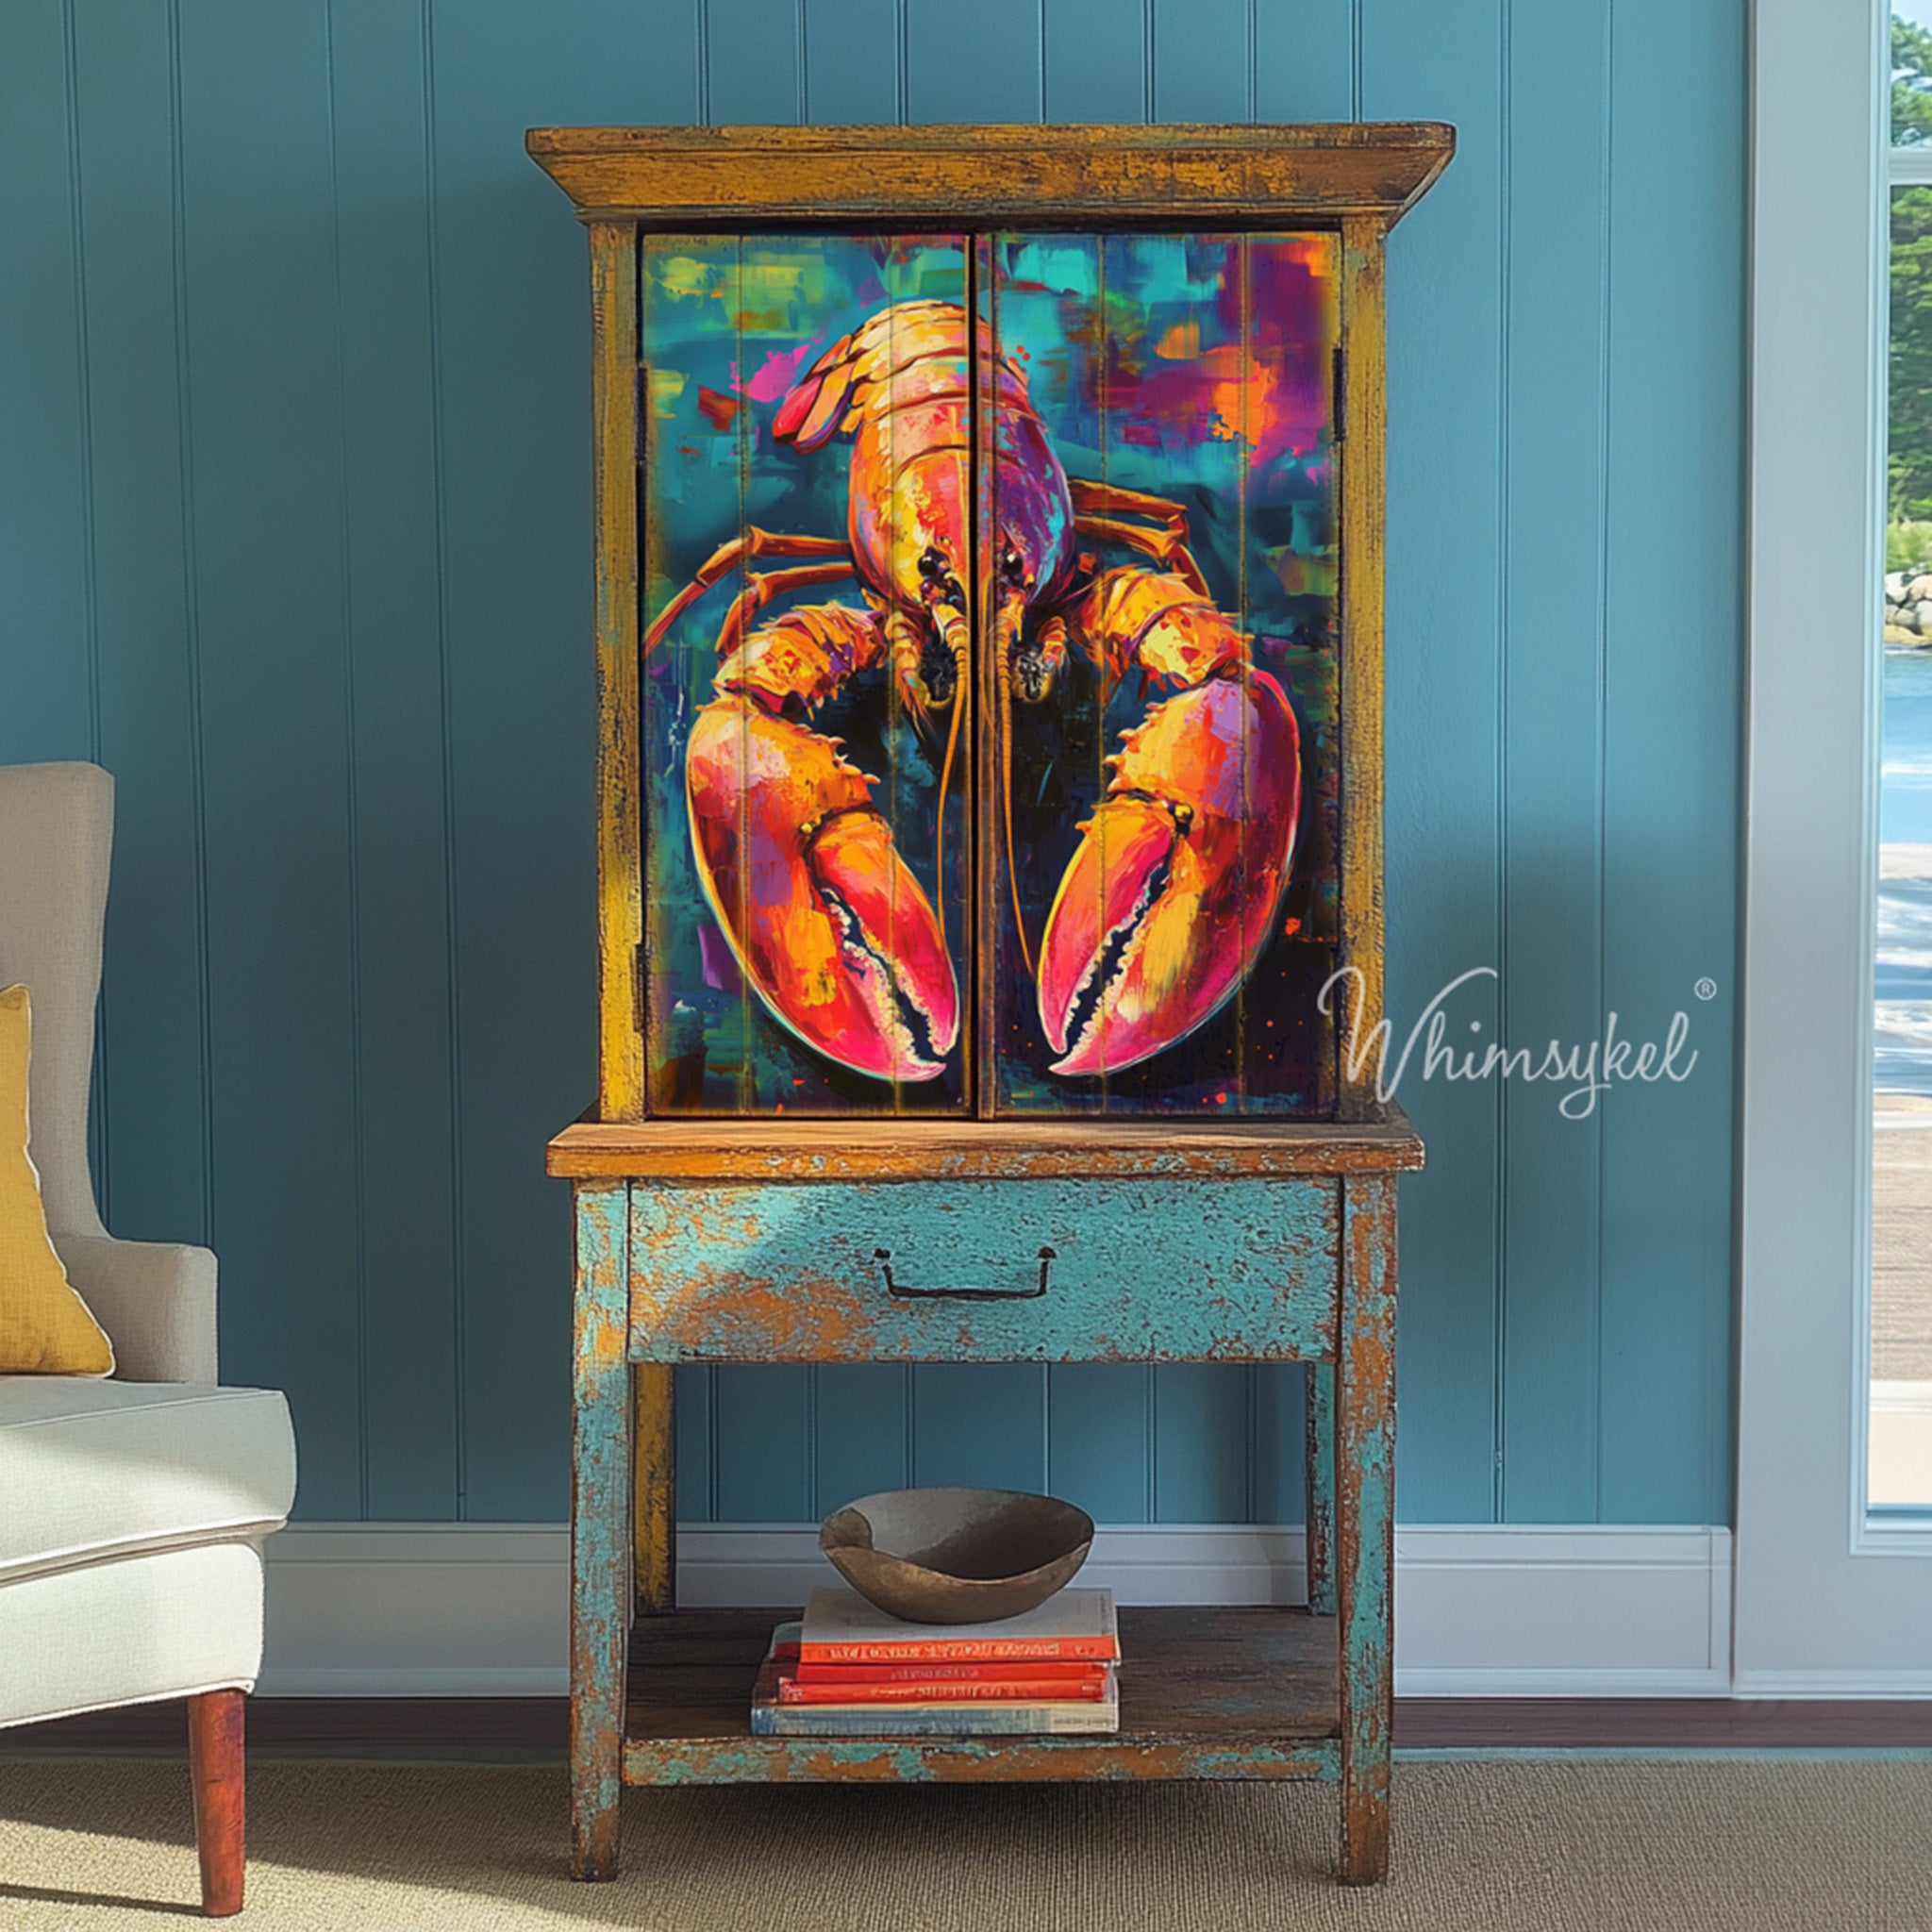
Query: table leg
654, 1489
600, 1527
1321, 1486
1365, 1518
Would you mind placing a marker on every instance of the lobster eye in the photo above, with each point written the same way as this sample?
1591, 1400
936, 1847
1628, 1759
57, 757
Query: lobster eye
1012, 566
933, 563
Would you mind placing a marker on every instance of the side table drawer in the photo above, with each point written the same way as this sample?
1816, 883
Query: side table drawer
984, 1272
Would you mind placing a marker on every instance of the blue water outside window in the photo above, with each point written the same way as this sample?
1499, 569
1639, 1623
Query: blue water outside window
1900, 1465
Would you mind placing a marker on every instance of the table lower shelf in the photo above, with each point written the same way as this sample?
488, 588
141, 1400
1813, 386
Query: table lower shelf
1206, 1692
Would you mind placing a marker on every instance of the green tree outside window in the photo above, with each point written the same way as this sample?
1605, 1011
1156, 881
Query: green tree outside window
1910, 463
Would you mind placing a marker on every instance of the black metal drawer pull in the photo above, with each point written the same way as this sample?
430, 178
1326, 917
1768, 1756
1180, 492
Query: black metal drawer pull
884, 1257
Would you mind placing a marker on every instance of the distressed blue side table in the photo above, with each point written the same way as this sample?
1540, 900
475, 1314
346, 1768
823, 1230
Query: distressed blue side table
994, 1242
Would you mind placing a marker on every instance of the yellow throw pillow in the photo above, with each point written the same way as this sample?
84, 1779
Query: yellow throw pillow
45, 1328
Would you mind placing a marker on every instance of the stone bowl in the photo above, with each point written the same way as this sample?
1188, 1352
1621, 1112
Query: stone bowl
946, 1556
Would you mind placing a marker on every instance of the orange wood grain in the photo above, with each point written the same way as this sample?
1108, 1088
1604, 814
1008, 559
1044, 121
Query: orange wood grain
963, 1150
1364, 424
1021, 175
620, 822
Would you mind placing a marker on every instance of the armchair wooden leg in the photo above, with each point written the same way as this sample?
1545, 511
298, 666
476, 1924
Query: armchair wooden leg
216, 1758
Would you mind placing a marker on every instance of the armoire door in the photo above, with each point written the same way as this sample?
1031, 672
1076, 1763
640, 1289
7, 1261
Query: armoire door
806, 571
1158, 817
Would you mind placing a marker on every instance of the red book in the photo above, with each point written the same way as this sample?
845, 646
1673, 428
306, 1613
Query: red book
950, 1690
773, 1716
841, 1627
1031, 1670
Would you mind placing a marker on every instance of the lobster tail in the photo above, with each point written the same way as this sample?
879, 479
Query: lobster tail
809, 414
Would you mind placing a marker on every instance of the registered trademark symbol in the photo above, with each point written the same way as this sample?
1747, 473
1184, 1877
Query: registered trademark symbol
1705, 988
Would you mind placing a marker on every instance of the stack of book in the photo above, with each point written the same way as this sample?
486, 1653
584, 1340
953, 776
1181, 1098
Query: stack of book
850, 1671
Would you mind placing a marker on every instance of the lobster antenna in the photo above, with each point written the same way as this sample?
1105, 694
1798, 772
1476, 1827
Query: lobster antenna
945, 785
1004, 671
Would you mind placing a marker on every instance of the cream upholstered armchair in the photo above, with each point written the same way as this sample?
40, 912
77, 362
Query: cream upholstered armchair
132, 1510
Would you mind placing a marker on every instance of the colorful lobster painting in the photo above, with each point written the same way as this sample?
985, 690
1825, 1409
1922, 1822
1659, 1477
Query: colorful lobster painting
1172, 890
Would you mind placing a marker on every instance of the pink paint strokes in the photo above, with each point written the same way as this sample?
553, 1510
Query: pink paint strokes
1179, 385
780, 370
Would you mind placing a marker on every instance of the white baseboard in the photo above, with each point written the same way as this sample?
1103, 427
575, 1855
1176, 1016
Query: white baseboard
479, 1609
1849, 1685
1587, 1610
417, 1610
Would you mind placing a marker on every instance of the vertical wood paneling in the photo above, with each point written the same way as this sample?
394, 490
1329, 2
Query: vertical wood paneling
262, 368
45, 621
761, 1445
310, 572
1305, 61
1278, 1444
399, 826
156, 1180
861, 1431
1095, 64
1100, 1438
1201, 1428
755, 48
1552, 763
976, 65
1671, 758
692, 1403
979, 1425
851, 61
513, 383
1448, 543
1201, 60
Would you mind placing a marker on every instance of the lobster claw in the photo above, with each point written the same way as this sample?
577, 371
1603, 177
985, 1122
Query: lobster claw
827, 921
1172, 893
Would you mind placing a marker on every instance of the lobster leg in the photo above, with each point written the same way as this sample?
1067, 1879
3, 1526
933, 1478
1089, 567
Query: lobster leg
730, 556
1171, 897
1098, 508
1112, 498
1163, 547
762, 586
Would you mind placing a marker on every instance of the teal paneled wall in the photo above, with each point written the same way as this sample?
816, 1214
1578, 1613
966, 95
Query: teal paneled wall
295, 538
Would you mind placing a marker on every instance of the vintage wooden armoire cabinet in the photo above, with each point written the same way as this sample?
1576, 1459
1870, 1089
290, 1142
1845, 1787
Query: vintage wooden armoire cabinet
989, 632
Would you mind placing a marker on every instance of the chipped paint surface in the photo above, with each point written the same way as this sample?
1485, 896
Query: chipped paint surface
1365, 1521
1321, 1467
965, 1760
1208, 1271
600, 1529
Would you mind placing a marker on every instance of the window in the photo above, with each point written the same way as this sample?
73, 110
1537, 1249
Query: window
1900, 1465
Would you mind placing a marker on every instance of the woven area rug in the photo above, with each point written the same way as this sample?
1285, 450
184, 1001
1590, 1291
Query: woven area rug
1537, 1844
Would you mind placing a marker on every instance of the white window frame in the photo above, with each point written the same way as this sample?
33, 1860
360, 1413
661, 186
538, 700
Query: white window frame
1826, 1603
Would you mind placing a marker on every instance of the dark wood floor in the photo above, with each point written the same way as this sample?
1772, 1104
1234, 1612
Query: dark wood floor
461, 1727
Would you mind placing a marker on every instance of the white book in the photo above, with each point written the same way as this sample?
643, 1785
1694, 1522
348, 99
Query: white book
841, 1626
